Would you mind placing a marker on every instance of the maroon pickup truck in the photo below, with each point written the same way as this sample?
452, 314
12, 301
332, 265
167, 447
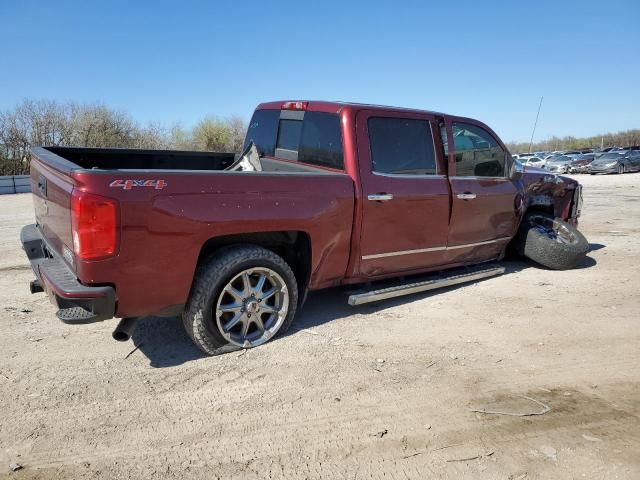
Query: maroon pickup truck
325, 194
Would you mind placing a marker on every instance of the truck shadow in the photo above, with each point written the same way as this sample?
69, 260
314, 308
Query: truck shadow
165, 343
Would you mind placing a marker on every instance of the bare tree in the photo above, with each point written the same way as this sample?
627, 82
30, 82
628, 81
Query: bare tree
238, 131
153, 136
212, 134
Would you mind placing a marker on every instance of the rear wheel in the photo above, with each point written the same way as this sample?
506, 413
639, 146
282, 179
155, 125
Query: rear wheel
241, 298
551, 242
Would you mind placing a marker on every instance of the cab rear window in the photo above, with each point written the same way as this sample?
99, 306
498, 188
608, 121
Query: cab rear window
309, 137
262, 131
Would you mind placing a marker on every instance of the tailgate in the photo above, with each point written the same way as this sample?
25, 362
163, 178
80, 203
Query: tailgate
51, 187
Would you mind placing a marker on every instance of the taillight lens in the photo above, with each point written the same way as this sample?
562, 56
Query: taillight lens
94, 223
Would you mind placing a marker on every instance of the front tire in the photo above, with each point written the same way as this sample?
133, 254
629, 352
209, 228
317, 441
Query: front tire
241, 298
551, 242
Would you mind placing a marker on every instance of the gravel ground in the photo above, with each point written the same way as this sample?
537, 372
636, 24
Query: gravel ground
378, 391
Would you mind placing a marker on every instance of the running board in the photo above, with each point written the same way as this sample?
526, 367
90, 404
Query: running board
431, 284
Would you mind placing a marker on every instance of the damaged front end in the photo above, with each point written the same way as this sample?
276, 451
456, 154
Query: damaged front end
554, 194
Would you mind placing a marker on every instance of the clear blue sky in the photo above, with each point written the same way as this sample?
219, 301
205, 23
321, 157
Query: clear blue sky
177, 61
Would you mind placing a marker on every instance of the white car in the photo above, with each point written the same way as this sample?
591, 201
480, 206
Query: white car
532, 160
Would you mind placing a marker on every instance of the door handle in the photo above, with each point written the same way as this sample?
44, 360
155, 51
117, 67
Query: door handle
380, 197
466, 196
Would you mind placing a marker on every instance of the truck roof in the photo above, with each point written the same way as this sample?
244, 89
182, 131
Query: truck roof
336, 106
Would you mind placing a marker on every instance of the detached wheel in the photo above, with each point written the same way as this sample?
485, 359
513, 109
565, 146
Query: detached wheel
551, 242
241, 298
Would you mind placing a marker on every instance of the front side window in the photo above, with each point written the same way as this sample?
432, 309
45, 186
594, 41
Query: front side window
401, 146
477, 152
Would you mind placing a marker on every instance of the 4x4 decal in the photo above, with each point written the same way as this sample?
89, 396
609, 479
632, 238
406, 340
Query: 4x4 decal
129, 184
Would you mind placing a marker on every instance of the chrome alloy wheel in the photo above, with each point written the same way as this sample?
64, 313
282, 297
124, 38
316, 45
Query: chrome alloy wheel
252, 307
552, 229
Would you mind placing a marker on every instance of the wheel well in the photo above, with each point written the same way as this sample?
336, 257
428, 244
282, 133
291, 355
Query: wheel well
511, 246
293, 246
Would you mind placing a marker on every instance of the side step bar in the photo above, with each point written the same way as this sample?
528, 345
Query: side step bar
432, 283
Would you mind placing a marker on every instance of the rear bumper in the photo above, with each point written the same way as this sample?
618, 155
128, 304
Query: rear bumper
76, 303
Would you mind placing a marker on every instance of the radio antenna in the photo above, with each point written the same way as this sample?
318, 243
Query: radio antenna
535, 124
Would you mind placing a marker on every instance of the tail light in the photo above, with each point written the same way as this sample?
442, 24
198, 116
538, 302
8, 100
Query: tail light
94, 224
294, 105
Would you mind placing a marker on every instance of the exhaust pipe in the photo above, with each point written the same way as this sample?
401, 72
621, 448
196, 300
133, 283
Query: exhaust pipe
125, 329
35, 287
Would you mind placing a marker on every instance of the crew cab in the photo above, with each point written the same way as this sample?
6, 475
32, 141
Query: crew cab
336, 194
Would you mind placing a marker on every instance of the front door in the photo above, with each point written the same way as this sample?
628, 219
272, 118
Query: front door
405, 192
485, 211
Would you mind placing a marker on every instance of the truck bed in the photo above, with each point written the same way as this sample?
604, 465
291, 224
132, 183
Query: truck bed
119, 158
171, 205
133, 159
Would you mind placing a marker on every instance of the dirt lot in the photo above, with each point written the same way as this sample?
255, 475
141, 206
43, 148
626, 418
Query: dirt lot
382, 391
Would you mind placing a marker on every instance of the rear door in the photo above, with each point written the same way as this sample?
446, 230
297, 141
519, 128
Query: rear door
405, 211
484, 208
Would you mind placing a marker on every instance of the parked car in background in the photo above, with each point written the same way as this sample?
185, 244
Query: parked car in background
581, 163
559, 164
573, 153
530, 159
616, 162
535, 162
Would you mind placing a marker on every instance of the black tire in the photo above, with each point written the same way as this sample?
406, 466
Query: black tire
210, 278
535, 241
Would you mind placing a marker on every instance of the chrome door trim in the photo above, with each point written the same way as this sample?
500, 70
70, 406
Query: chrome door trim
462, 177
433, 249
477, 244
402, 252
426, 176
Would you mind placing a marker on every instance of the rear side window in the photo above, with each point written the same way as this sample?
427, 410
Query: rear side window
262, 131
315, 139
401, 146
321, 140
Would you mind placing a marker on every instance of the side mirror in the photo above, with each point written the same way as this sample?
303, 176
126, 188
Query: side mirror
517, 170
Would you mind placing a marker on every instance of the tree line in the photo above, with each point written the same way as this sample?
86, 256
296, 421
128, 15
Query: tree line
49, 123
619, 139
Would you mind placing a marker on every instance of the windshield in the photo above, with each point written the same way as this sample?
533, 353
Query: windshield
610, 156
